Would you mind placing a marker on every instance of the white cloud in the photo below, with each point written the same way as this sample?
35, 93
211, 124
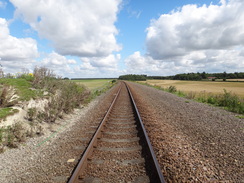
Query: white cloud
59, 64
193, 28
138, 64
194, 39
99, 67
16, 52
196, 61
111, 61
79, 28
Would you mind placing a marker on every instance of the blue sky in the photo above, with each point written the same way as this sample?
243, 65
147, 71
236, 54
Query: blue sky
115, 37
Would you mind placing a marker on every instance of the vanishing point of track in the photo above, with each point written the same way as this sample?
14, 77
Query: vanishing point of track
120, 150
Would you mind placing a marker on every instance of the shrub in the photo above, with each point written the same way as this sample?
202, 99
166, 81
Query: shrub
172, 89
66, 96
232, 102
31, 114
41, 76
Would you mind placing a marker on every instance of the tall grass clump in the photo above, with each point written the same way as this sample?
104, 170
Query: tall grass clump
171, 89
228, 100
231, 101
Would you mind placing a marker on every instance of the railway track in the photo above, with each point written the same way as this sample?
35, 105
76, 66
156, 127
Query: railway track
120, 150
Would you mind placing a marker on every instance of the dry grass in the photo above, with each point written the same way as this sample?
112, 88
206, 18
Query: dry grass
235, 80
201, 86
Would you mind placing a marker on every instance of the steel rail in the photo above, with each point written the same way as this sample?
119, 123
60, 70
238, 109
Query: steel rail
151, 158
92, 144
157, 170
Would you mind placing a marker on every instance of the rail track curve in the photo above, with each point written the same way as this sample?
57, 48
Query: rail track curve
120, 150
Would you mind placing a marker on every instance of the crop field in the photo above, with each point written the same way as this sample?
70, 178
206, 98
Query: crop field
201, 86
93, 84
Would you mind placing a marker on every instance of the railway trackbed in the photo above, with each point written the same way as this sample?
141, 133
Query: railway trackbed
120, 150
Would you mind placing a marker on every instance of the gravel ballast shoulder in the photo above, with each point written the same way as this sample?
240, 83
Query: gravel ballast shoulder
193, 141
52, 157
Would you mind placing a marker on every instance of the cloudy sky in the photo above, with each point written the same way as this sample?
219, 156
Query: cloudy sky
109, 38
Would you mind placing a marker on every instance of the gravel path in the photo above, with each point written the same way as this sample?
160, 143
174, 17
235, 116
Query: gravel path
51, 158
194, 142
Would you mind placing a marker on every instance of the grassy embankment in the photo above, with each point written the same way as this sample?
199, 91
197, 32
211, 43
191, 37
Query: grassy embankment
62, 96
229, 95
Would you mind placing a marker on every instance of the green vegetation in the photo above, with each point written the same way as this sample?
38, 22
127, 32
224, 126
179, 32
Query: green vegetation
22, 86
240, 117
61, 97
201, 76
4, 112
11, 136
227, 100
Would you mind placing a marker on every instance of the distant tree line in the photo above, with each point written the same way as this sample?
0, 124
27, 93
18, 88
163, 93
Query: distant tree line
200, 76
186, 76
133, 77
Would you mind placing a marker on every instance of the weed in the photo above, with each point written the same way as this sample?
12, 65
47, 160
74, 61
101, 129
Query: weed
31, 114
180, 93
4, 112
171, 89
240, 116
18, 132
191, 95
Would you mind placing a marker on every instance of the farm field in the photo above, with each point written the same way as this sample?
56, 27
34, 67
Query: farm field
235, 80
93, 84
200, 86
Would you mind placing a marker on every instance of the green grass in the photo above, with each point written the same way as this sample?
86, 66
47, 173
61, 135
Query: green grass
23, 88
93, 84
4, 112
240, 116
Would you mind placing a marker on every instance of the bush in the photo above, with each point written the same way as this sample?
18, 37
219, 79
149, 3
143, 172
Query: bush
172, 89
232, 102
11, 136
42, 75
66, 96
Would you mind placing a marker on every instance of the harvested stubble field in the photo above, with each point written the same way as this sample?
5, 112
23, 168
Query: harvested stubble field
93, 84
201, 86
